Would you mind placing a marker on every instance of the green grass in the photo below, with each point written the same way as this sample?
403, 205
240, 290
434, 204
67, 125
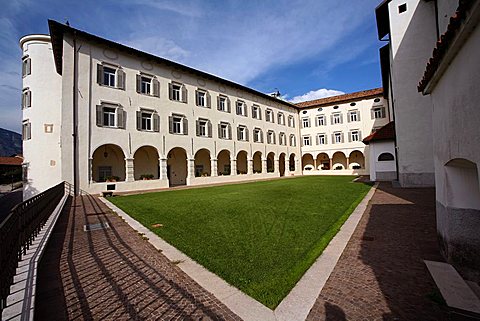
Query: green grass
260, 237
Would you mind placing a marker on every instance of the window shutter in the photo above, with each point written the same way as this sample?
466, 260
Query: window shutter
372, 113
184, 94
229, 107
170, 91
100, 74
349, 115
230, 131
210, 129
318, 140
170, 124
236, 108
259, 113
156, 122
252, 109
358, 115
333, 138
274, 138
341, 118
383, 112
29, 66
246, 134
219, 131
197, 126
209, 100
139, 120
99, 115
119, 118
266, 115
261, 136
185, 126
349, 137
245, 109
238, 133
156, 87
341, 135
326, 139
139, 83
29, 98
302, 142
197, 100
359, 135
218, 102
121, 79
24, 100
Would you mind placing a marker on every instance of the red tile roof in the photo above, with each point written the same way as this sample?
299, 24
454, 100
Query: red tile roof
341, 98
444, 42
17, 161
386, 132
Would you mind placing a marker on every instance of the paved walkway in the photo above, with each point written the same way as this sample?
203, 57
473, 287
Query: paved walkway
113, 274
381, 274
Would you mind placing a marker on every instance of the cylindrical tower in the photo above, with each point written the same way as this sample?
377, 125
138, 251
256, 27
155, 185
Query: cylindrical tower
41, 106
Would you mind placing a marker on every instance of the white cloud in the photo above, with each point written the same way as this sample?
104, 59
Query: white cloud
316, 94
162, 47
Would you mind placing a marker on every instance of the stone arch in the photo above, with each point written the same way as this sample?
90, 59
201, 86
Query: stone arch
383, 157
223, 162
145, 163
356, 160
242, 162
462, 184
281, 164
323, 161
108, 163
271, 162
202, 163
291, 163
257, 162
307, 162
177, 166
339, 161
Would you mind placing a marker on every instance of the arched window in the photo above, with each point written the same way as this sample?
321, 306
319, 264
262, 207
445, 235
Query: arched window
385, 157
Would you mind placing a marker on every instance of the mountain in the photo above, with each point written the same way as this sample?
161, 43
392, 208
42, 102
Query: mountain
10, 143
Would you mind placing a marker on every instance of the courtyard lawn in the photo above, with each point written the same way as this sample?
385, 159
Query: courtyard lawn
260, 237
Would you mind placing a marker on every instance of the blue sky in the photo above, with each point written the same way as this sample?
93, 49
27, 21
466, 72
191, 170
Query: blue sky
306, 49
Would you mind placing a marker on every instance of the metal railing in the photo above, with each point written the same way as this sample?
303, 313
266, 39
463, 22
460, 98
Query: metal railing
20, 228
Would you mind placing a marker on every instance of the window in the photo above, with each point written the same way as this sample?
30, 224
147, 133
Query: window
111, 115
26, 130
337, 118
282, 139
321, 139
385, 157
281, 119
321, 121
269, 115
306, 141
178, 124
291, 121
353, 104
306, 122
26, 66
337, 138
104, 172
353, 115
223, 103
402, 8
242, 133
241, 108
354, 136
202, 98
204, 128
148, 120
257, 135
224, 131
270, 137
376, 100
26, 98
378, 112
177, 92
148, 85
110, 76
256, 113
293, 141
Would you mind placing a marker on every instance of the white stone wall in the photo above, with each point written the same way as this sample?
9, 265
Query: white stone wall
365, 125
382, 170
412, 38
42, 152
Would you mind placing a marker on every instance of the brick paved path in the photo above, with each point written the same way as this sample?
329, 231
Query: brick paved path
114, 274
381, 274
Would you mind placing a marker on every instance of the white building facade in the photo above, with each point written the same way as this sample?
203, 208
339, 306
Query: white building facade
332, 130
143, 122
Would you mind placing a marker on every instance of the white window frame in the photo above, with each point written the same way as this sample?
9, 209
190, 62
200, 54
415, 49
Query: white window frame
355, 134
291, 121
378, 112
203, 127
26, 66
281, 118
270, 137
240, 108
147, 88
322, 139
269, 115
353, 115
321, 120
307, 140
305, 122
293, 140
256, 112
146, 120
337, 118
337, 137
242, 130
26, 130
176, 92
257, 135
112, 111
282, 139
